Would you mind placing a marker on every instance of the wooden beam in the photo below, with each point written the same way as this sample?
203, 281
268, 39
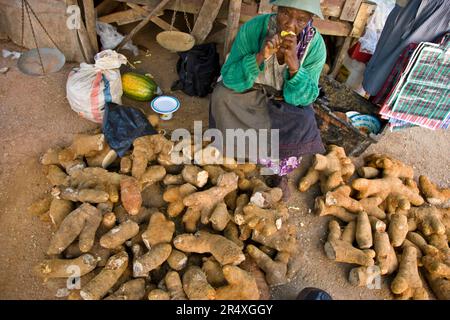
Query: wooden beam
142, 24
234, 12
265, 7
205, 20
89, 17
122, 17
158, 21
340, 57
359, 25
333, 28
106, 7
350, 10
332, 8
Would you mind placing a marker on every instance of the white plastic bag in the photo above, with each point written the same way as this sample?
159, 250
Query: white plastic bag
110, 38
91, 86
375, 25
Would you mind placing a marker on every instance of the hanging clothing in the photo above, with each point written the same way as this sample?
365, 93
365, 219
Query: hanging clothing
421, 95
418, 21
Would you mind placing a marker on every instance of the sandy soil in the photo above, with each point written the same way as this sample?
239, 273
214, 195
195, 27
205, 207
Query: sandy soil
35, 115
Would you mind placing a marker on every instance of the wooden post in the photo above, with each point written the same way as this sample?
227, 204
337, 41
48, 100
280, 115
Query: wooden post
143, 23
89, 15
359, 25
205, 20
158, 21
234, 12
340, 57
265, 7
350, 10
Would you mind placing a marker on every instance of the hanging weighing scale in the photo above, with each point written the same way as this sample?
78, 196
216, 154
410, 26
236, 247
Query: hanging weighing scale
38, 61
176, 41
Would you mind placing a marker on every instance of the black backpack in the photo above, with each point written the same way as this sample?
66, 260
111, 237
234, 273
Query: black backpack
198, 70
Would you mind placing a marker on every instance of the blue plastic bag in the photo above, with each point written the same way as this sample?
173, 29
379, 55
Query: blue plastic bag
122, 124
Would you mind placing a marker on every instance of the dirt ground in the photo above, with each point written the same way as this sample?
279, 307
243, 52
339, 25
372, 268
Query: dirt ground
35, 115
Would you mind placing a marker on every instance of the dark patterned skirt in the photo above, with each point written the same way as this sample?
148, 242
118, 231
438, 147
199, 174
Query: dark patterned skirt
298, 131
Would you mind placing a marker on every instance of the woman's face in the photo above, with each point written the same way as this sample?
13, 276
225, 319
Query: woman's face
290, 19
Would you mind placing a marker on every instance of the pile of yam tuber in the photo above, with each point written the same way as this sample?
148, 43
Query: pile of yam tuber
384, 223
145, 228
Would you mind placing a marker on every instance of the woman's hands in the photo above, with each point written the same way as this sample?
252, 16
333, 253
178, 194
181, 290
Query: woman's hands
286, 50
271, 46
289, 49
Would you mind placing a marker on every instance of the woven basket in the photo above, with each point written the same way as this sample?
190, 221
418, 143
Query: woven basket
175, 40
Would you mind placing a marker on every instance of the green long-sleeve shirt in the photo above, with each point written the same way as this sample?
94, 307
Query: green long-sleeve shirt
241, 69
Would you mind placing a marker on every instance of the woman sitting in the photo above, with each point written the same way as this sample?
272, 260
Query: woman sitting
270, 80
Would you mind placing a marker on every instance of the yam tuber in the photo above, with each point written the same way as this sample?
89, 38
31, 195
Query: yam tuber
130, 194
251, 267
82, 145
204, 202
241, 285
368, 172
82, 222
65, 268
332, 170
196, 286
147, 148
371, 206
323, 210
398, 229
364, 276
177, 260
385, 254
342, 250
160, 230
389, 166
231, 232
98, 287
118, 235
222, 249
341, 198
433, 194
220, 217
174, 286
155, 257
80, 195
383, 187
265, 221
264, 196
152, 175
428, 219
195, 175
175, 196
131, 290
363, 231
103, 158
214, 272
275, 270
40, 207
407, 277
51, 156
173, 179
125, 165
56, 176
158, 294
